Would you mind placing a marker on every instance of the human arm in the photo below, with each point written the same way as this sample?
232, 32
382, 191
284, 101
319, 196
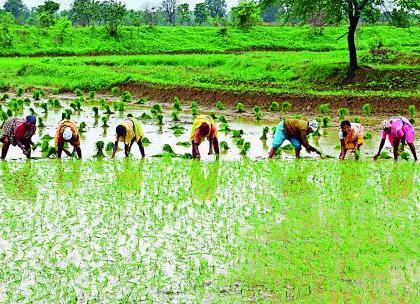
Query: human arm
304, 142
114, 150
381, 145
343, 150
141, 147
272, 152
195, 151
413, 150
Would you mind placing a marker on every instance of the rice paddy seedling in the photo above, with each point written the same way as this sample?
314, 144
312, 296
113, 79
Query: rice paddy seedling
175, 116
385, 155
20, 91
224, 145
194, 104
326, 121
66, 114
213, 115
5, 97
178, 130
240, 142
219, 105
367, 109
159, 118
145, 141
142, 100
104, 120
405, 155
324, 108
56, 91
412, 110
102, 102
145, 116
245, 148
78, 92
54, 103
76, 105
184, 144
274, 106
357, 120
167, 148
240, 107
108, 110
109, 146
119, 106
286, 106
156, 109
273, 130
115, 91
257, 113
222, 119
343, 112
237, 133
44, 106
176, 105
9, 113
36, 94
40, 123
99, 149
265, 132
297, 116
95, 112
194, 111
368, 135
224, 127
92, 95
126, 96
32, 112
82, 127
27, 100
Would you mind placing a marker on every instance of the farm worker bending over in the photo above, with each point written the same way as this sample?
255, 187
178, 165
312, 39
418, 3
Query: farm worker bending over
18, 132
398, 129
204, 127
351, 138
67, 132
129, 131
295, 131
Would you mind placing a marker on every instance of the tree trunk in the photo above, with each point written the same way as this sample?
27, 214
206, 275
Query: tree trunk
352, 45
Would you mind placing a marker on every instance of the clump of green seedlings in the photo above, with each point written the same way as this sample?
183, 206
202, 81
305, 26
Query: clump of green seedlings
257, 113
159, 118
237, 133
100, 149
224, 127
32, 112
194, 108
357, 120
245, 148
239, 142
368, 135
126, 96
78, 92
367, 109
46, 149
82, 127
405, 155
240, 107
175, 116
5, 97
412, 110
142, 100
145, 116
20, 91
95, 112
297, 116
76, 105
40, 123
156, 109
222, 119
167, 149
183, 144
176, 104
107, 109
104, 120
92, 95
56, 91
178, 130
213, 115
219, 105
109, 146
324, 108
119, 106
326, 121
224, 145
44, 107
265, 132
274, 106
36, 94
115, 91
66, 114
54, 103
145, 141
286, 106
343, 112
385, 155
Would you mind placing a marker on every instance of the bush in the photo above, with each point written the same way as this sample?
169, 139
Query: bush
246, 14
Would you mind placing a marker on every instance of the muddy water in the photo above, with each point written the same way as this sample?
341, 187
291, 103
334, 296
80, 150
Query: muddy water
160, 135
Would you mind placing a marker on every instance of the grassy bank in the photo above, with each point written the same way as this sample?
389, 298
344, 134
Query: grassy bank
177, 231
268, 72
33, 41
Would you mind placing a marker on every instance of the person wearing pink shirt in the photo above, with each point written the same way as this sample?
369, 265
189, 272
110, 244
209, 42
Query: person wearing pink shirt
398, 130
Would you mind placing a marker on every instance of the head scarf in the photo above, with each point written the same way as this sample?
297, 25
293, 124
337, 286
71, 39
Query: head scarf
386, 124
313, 125
31, 119
67, 133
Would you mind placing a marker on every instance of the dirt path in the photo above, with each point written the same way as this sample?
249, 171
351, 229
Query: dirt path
300, 103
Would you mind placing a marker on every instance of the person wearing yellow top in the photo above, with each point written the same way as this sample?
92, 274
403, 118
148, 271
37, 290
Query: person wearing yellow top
204, 127
129, 131
351, 138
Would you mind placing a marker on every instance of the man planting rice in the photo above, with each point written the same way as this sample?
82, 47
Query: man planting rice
204, 127
129, 131
295, 131
351, 138
67, 132
398, 130
18, 132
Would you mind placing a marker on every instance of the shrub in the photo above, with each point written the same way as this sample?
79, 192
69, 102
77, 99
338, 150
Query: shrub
240, 107
246, 14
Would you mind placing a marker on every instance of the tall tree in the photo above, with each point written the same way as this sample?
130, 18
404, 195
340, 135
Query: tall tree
201, 13
169, 8
216, 8
83, 12
17, 8
335, 11
45, 13
184, 14
112, 14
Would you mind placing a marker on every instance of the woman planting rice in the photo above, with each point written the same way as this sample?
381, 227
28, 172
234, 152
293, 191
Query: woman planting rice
18, 132
351, 138
129, 131
398, 130
295, 131
204, 127
67, 132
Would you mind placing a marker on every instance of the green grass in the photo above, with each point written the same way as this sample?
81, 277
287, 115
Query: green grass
182, 39
183, 231
271, 72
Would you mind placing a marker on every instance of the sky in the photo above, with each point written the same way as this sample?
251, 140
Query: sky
131, 4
